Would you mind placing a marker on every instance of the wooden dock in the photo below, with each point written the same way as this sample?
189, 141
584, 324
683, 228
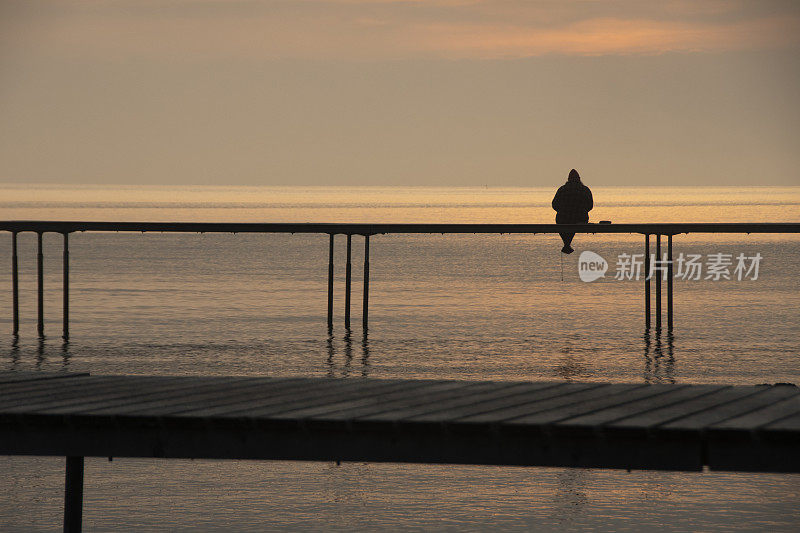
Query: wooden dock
632, 426
629, 426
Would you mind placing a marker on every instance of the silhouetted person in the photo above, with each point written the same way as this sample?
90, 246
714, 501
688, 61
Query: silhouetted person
572, 203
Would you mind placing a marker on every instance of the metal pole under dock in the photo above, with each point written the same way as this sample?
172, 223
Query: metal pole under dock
330, 283
658, 282
15, 282
73, 495
365, 305
347, 281
669, 283
40, 270
65, 333
647, 282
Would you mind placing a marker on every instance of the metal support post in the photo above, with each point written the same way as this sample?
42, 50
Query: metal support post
40, 271
658, 283
365, 305
347, 282
669, 283
65, 333
647, 282
15, 283
73, 495
330, 283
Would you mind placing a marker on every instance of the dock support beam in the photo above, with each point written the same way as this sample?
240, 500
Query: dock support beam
365, 304
647, 282
330, 283
15, 283
347, 281
658, 282
65, 333
73, 495
669, 283
40, 285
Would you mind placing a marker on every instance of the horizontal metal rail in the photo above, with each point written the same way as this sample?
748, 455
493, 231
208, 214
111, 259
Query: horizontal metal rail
41, 226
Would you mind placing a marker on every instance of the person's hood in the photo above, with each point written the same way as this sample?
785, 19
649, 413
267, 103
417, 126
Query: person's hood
574, 176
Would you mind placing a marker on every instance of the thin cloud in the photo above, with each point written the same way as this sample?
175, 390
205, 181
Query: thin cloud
609, 37
391, 29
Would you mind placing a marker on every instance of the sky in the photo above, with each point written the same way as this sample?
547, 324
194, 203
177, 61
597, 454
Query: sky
400, 92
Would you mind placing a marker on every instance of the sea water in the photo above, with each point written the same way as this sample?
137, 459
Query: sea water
478, 307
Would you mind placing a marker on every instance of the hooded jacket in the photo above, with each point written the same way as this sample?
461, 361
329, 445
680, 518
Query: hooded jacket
573, 200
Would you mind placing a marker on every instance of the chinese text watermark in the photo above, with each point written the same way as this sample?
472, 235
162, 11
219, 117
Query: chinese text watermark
691, 267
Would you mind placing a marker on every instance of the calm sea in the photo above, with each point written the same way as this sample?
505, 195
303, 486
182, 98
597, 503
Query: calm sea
441, 306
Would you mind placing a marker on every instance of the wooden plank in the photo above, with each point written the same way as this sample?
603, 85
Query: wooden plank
175, 394
791, 423
46, 390
258, 388
30, 387
523, 396
704, 404
703, 419
434, 391
417, 402
589, 402
411, 393
18, 377
492, 390
125, 395
556, 396
255, 400
571, 398
260, 397
379, 399
763, 416
125, 388
597, 416
85, 387
97, 390
356, 390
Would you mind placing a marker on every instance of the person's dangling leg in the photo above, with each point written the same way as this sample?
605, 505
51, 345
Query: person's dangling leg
566, 237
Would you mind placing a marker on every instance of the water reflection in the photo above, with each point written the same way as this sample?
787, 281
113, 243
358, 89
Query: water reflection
66, 355
15, 355
570, 367
364, 355
571, 495
40, 357
658, 366
331, 353
348, 353
37, 353
344, 368
348, 357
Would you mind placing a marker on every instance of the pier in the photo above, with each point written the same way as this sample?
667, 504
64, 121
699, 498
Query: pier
366, 230
588, 425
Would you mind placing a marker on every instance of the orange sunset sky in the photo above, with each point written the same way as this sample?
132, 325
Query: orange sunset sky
399, 92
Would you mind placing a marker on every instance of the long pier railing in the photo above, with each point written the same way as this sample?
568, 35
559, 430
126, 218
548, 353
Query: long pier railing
366, 230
